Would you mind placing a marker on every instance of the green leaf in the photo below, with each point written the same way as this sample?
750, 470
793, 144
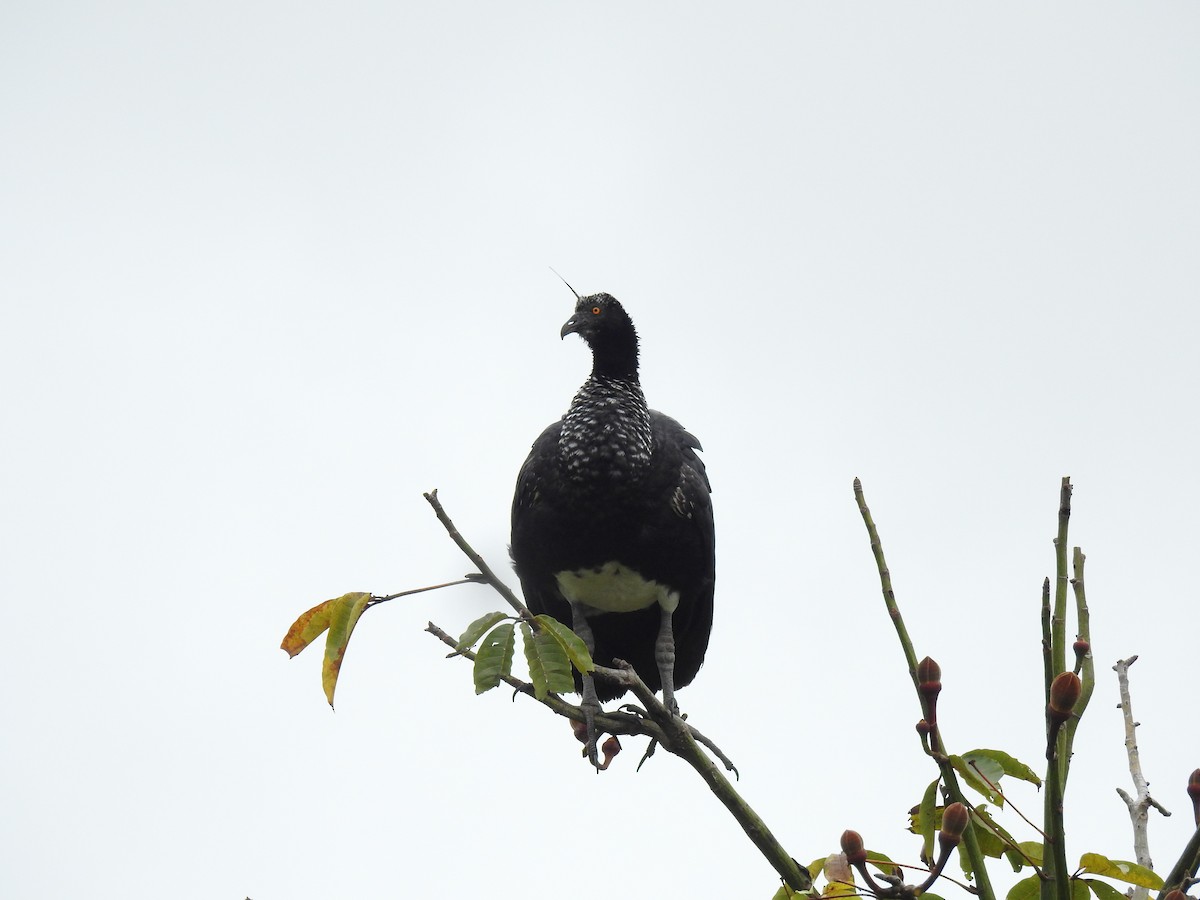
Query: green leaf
973, 780
964, 861
549, 668
571, 643
993, 840
1079, 890
347, 609
1034, 850
495, 656
1009, 765
306, 629
1026, 889
537, 671
1102, 890
926, 820
929, 896
478, 629
1121, 870
881, 861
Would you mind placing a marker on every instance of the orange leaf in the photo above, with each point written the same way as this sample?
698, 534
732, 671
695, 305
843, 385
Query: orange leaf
306, 629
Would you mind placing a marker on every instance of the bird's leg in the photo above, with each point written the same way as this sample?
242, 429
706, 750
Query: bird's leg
664, 658
590, 704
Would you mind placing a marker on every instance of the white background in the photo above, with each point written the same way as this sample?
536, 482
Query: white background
270, 270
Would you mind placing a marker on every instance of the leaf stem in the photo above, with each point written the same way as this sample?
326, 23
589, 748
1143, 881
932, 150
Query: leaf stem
375, 601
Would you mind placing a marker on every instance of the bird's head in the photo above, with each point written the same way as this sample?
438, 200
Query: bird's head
601, 320
597, 316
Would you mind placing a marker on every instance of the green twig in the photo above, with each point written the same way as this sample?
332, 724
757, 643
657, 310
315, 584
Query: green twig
1058, 884
885, 578
949, 778
1047, 644
1087, 670
1186, 867
1059, 622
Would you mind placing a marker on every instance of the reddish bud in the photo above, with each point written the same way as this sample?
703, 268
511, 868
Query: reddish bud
954, 822
924, 729
1176, 894
610, 749
852, 846
1081, 648
929, 671
1064, 694
580, 731
929, 685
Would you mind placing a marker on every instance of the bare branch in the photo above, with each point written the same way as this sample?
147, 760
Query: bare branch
1139, 806
484, 569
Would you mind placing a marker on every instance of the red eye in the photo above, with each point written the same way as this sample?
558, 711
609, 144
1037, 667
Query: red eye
595, 310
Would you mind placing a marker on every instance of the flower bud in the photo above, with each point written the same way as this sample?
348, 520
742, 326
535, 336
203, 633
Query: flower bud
954, 822
929, 672
1064, 694
929, 685
852, 846
610, 749
1081, 648
580, 731
1176, 894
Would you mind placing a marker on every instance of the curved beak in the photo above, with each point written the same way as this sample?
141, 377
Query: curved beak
571, 326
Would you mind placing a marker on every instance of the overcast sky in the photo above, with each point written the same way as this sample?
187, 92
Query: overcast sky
268, 271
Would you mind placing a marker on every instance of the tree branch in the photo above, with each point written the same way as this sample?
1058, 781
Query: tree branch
484, 569
1139, 806
671, 732
1057, 886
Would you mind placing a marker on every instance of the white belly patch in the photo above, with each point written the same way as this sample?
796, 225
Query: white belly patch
613, 588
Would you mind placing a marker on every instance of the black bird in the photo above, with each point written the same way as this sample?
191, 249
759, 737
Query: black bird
612, 523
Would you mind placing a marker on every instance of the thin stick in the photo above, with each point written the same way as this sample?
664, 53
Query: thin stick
484, 569
470, 579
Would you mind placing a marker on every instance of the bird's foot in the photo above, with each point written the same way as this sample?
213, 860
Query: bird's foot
610, 748
650, 748
586, 733
634, 710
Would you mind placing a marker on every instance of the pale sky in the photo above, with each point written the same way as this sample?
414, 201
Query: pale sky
268, 271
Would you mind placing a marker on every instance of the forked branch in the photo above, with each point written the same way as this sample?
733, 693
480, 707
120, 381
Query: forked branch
670, 732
